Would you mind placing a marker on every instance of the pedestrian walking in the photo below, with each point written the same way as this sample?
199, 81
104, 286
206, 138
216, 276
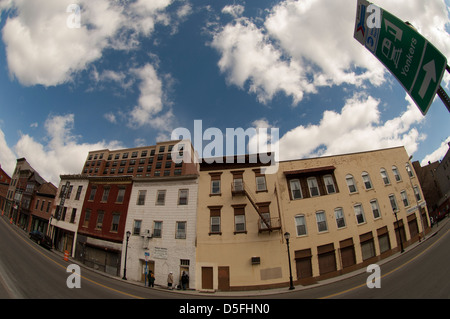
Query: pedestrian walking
170, 280
151, 279
184, 280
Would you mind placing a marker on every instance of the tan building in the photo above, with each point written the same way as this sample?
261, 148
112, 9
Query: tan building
339, 211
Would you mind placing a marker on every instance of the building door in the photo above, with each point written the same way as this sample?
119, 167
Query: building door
224, 278
304, 267
348, 256
150, 266
207, 278
327, 262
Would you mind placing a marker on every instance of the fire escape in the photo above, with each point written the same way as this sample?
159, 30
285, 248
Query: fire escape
266, 223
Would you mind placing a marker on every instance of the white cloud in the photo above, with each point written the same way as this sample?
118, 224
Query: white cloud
305, 44
150, 108
7, 156
356, 128
438, 154
42, 49
61, 154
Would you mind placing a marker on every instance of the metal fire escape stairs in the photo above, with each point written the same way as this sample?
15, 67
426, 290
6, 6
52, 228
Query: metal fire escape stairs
241, 189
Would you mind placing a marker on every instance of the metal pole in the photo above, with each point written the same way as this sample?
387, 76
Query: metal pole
291, 283
444, 97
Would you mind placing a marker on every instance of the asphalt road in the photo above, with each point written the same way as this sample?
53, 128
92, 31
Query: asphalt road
29, 271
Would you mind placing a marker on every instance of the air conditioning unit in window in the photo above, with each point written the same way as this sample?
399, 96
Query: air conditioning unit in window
146, 233
256, 260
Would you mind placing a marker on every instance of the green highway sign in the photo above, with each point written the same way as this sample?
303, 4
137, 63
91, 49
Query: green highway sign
414, 61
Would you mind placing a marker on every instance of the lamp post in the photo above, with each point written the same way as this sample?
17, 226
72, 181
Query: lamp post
399, 232
126, 251
291, 283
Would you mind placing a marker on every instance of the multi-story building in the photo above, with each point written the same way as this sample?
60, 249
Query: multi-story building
41, 207
5, 180
66, 212
162, 222
148, 161
341, 212
435, 181
29, 197
101, 227
19, 179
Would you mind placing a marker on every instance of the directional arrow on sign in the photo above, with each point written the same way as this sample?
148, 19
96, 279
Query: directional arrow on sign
430, 69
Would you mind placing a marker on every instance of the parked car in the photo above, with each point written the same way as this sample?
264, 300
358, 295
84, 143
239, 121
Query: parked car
41, 239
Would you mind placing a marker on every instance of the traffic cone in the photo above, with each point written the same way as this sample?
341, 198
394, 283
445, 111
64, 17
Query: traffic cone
66, 255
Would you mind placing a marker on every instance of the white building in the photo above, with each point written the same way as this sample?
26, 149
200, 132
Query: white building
67, 210
162, 221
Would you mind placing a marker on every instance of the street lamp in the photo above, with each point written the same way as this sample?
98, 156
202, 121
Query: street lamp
126, 251
291, 283
399, 232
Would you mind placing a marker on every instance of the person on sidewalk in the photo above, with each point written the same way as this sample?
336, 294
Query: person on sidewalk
151, 279
184, 280
170, 280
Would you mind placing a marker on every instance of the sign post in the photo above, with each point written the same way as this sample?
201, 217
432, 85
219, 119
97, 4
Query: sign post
414, 61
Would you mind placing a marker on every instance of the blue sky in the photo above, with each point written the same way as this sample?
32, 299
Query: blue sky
136, 70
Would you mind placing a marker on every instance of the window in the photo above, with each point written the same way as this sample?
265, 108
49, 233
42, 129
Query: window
351, 184
105, 194
321, 221
115, 222
238, 184
296, 192
215, 187
87, 217
409, 170
214, 216
340, 218
384, 176
215, 224
137, 227
239, 218
141, 197
393, 202
396, 173
93, 191
183, 197
161, 197
37, 204
261, 183
72, 217
313, 187
157, 229
366, 180
48, 207
181, 230
417, 193
329, 184
100, 215
239, 223
359, 213
77, 196
375, 209
300, 224
120, 195
404, 198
